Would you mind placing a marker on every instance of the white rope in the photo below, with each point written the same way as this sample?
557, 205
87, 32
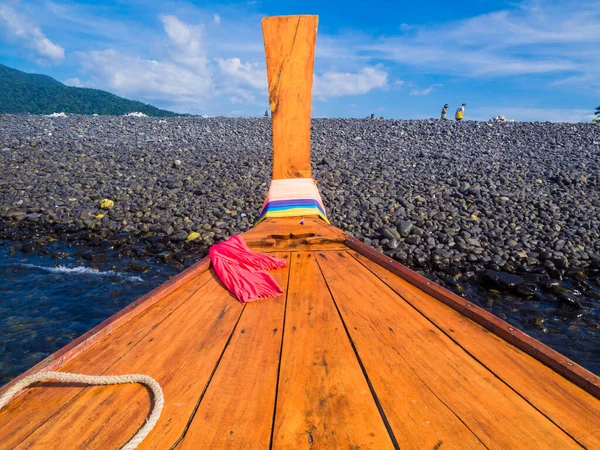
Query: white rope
62, 377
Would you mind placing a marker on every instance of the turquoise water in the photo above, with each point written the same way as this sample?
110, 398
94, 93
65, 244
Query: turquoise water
47, 302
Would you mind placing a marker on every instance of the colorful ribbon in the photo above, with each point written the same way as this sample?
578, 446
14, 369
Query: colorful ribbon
293, 197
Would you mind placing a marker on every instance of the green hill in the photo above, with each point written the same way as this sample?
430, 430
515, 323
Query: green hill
22, 92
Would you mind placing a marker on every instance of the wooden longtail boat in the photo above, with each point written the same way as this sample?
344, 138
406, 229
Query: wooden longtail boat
359, 352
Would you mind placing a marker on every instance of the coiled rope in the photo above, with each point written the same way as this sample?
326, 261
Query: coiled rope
62, 377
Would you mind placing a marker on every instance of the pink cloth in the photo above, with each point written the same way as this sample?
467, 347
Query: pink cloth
242, 271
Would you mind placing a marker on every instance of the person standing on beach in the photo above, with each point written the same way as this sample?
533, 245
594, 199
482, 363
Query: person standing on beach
460, 112
444, 111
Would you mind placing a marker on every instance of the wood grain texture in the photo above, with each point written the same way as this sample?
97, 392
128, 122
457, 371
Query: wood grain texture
324, 400
560, 363
36, 405
180, 353
570, 407
438, 376
290, 53
289, 234
417, 417
381, 322
237, 409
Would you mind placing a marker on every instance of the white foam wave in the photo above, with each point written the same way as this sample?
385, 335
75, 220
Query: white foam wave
80, 270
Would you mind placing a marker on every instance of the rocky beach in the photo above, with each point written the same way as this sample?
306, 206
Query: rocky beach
505, 213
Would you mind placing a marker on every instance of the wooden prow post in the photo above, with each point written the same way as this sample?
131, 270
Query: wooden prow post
290, 52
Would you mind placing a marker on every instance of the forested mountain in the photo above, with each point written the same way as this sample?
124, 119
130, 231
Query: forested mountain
22, 92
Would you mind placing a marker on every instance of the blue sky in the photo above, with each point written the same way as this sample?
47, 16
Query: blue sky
531, 60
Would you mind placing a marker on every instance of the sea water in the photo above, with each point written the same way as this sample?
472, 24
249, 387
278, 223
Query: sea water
45, 303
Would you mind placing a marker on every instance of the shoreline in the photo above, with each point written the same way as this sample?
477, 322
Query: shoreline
435, 195
512, 208
435, 203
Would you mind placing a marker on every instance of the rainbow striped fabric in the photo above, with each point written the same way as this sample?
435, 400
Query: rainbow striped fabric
293, 197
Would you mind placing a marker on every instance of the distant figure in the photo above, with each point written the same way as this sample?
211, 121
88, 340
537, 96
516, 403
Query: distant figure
444, 111
266, 114
460, 112
372, 117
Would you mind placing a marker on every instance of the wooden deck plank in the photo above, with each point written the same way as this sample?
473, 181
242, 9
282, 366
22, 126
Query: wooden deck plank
287, 233
295, 245
556, 361
417, 417
180, 353
29, 411
237, 409
380, 322
290, 53
570, 407
323, 398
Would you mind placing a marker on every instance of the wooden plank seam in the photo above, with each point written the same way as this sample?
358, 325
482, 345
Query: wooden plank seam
362, 367
193, 414
559, 363
467, 351
287, 290
138, 340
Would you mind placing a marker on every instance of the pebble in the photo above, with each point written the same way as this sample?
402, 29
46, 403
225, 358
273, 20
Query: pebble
433, 193
499, 280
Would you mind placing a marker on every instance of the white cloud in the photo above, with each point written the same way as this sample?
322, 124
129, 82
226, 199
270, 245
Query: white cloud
24, 30
425, 91
468, 62
532, 23
182, 79
143, 78
186, 42
187, 65
337, 84
540, 37
76, 82
249, 74
421, 91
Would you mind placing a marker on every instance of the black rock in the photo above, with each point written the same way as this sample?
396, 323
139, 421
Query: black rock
158, 247
404, 227
491, 279
413, 240
179, 236
28, 247
140, 267
401, 175
570, 301
390, 233
526, 289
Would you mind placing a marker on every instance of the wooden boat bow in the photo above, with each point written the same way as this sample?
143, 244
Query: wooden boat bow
359, 352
